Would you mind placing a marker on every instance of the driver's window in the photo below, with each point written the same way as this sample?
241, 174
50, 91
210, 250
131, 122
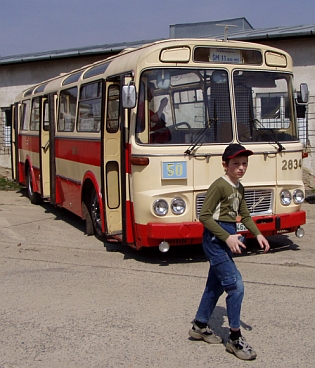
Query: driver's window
153, 115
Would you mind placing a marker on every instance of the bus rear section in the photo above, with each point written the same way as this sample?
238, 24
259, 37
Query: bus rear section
31, 145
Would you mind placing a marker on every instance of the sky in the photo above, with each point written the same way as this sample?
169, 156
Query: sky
31, 26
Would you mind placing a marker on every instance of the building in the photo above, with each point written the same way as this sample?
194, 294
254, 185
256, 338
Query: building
21, 71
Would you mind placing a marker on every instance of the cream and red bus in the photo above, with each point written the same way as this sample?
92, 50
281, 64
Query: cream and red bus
132, 143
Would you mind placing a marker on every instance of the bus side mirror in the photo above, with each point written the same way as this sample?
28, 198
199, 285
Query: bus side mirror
304, 92
129, 96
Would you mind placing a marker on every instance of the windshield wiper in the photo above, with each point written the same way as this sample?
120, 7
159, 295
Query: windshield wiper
261, 126
198, 137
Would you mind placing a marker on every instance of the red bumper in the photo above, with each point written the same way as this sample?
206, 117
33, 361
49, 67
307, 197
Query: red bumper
184, 233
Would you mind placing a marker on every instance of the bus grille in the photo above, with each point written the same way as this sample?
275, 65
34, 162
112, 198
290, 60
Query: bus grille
259, 202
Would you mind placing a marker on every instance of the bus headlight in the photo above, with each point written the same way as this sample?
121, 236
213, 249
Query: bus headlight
178, 206
298, 196
285, 196
160, 207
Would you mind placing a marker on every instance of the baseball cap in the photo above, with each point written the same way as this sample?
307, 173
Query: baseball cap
235, 149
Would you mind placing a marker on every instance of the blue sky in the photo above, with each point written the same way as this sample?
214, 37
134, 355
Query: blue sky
30, 26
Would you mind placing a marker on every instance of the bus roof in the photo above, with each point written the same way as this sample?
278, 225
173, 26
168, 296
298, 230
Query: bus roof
128, 59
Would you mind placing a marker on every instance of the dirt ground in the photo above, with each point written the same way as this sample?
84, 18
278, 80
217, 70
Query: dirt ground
5, 172
70, 300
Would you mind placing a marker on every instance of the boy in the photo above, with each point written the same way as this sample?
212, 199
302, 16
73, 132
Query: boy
225, 205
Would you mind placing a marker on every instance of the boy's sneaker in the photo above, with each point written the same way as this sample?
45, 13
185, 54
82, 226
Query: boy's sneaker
241, 349
205, 334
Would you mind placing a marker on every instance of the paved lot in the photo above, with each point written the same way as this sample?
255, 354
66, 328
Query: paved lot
68, 300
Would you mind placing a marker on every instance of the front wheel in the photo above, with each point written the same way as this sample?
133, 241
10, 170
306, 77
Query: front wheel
95, 212
34, 197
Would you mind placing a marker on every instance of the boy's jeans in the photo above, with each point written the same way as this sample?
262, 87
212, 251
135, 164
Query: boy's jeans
223, 276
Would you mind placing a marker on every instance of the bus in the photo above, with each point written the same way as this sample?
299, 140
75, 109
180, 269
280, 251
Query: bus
131, 143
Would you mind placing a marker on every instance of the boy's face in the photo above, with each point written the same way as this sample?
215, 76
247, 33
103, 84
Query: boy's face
236, 168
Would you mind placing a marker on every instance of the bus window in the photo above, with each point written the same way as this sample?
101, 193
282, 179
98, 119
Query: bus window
35, 114
196, 102
113, 98
46, 116
154, 106
67, 109
25, 111
264, 107
89, 115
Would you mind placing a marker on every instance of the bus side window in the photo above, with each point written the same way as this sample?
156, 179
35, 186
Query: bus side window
90, 105
25, 111
35, 115
113, 100
46, 116
67, 110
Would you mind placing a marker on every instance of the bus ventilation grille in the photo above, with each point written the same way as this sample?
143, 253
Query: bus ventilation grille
177, 241
259, 202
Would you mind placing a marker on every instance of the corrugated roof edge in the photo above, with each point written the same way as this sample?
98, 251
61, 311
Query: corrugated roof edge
274, 32
73, 52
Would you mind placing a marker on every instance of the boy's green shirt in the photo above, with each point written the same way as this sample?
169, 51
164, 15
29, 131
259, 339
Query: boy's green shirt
223, 202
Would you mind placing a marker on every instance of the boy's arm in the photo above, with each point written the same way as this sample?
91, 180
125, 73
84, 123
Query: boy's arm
252, 227
247, 219
210, 203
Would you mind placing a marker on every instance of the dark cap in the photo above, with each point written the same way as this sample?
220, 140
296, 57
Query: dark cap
235, 149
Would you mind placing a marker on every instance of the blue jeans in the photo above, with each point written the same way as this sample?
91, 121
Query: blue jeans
223, 276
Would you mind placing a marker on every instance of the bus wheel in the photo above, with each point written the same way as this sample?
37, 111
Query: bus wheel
96, 214
33, 196
89, 228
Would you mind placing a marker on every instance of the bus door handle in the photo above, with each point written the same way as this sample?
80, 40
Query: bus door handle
45, 148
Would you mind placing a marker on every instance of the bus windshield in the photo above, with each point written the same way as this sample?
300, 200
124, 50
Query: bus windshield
180, 106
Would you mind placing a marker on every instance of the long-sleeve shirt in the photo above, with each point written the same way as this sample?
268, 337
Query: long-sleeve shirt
225, 201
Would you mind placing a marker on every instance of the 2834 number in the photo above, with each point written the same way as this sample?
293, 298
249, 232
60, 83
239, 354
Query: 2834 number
291, 164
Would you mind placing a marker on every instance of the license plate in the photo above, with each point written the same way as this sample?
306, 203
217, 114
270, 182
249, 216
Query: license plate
240, 227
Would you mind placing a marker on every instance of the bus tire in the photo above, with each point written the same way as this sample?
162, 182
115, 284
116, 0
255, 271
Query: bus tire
34, 197
96, 214
89, 228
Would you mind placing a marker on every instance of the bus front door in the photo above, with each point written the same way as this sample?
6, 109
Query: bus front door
112, 161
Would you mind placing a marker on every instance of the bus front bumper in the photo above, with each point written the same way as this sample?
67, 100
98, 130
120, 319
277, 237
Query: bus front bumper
185, 233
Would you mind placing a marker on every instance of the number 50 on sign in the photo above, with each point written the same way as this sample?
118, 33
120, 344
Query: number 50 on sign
174, 170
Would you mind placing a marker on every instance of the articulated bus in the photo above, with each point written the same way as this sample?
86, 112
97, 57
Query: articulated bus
131, 143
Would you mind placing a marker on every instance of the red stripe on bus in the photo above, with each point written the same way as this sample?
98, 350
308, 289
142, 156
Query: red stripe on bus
29, 143
83, 151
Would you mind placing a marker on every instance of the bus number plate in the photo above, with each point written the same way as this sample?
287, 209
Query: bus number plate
240, 227
174, 170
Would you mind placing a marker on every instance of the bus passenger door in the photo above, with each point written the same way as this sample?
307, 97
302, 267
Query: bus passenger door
112, 161
45, 148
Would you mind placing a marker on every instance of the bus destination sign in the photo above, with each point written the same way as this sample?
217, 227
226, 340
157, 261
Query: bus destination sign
228, 56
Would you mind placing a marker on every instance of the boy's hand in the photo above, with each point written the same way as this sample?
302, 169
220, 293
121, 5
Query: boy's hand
263, 242
235, 244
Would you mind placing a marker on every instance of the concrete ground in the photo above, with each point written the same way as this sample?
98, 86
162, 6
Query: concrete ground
68, 300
